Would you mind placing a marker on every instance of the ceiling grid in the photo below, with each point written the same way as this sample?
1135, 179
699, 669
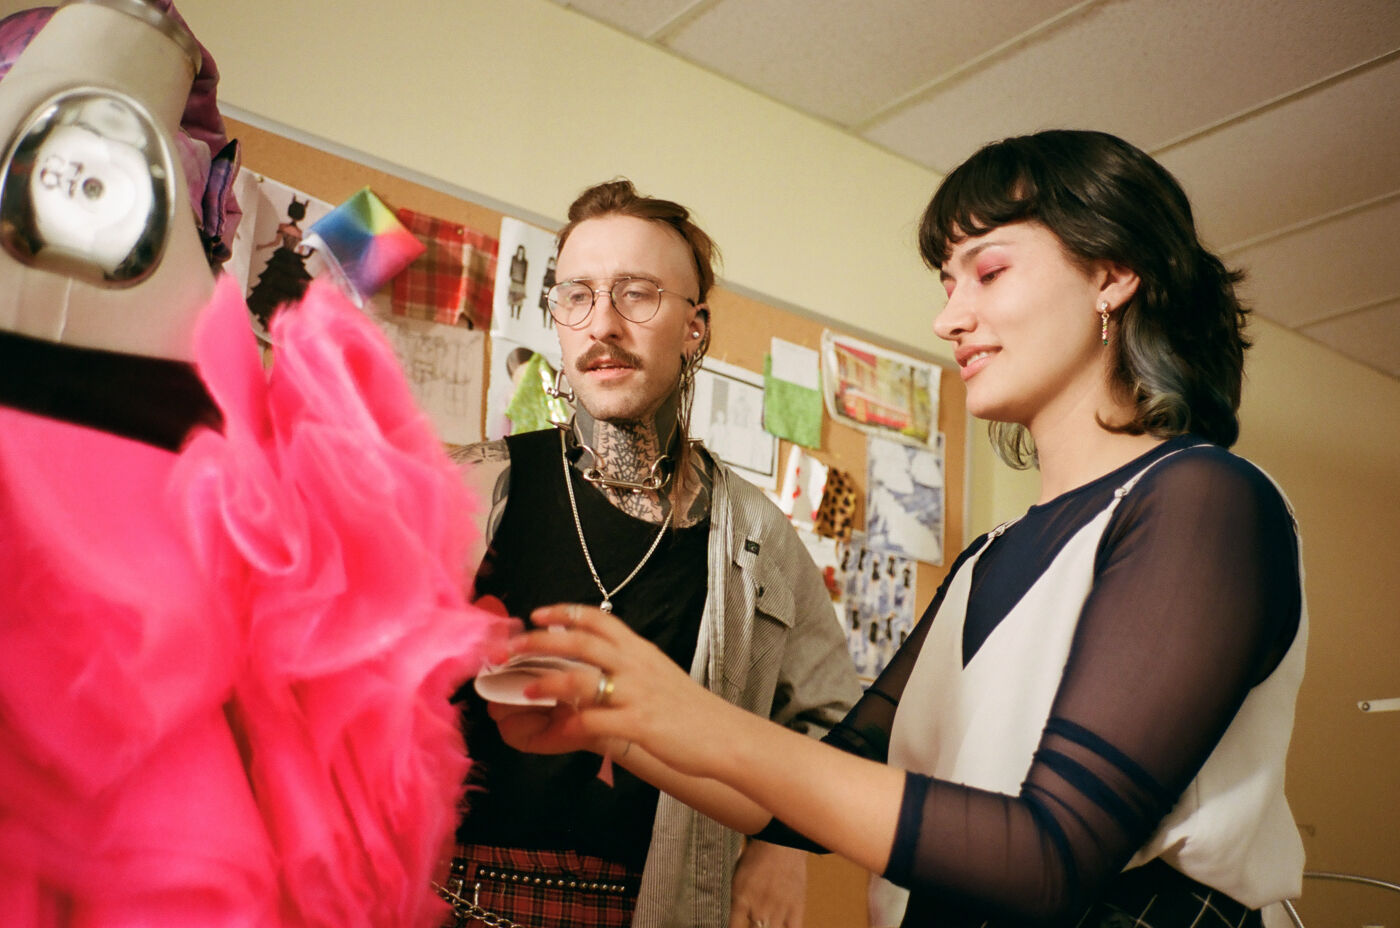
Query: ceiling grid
1281, 118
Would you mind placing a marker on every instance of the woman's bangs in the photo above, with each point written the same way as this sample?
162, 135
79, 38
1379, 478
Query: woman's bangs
981, 195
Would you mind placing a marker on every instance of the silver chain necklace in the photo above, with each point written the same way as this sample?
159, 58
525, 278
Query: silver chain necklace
606, 605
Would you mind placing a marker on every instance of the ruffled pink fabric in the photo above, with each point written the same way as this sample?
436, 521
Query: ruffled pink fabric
225, 674
122, 793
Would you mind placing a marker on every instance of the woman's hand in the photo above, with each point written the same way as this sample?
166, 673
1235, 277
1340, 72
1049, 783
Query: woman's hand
737, 767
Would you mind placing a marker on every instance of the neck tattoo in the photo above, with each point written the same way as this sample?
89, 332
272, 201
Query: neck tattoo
606, 605
656, 479
631, 462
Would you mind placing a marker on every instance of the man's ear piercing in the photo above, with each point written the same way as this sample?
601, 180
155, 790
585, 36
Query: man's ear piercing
694, 333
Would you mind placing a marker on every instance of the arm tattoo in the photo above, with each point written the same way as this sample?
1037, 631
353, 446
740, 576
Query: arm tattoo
481, 452
487, 457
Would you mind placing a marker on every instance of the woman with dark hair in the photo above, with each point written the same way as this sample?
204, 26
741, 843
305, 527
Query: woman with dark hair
1180, 346
1090, 724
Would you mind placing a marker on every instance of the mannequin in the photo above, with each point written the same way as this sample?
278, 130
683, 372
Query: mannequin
98, 246
213, 711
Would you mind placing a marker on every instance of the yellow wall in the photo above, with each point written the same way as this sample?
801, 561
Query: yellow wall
472, 92
1329, 431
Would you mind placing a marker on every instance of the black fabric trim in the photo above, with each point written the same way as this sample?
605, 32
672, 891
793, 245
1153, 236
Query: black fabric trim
899, 870
153, 400
1085, 738
1100, 793
1050, 826
776, 832
856, 741
1007, 570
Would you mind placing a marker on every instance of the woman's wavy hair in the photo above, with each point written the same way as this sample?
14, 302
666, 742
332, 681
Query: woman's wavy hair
1178, 354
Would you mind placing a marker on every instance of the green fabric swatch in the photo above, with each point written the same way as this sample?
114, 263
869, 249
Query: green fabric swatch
791, 411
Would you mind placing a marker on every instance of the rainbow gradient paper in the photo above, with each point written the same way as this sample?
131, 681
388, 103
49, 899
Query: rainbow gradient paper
364, 243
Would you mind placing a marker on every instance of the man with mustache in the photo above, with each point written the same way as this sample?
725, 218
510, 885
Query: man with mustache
621, 508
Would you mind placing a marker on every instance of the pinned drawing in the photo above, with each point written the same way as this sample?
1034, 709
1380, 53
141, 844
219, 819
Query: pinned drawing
445, 366
877, 603
904, 505
879, 391
727, 416
525, 263
269, 256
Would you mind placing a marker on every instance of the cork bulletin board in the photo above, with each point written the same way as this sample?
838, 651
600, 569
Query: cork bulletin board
742, 327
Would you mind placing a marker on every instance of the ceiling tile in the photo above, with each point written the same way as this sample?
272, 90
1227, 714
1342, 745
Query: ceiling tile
639, 17
1371, 336
1282, 119
1144, 69
1330, 149
845, 59
1325, 270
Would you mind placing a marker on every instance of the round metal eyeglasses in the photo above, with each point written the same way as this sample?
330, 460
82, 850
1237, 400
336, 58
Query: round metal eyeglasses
636, 299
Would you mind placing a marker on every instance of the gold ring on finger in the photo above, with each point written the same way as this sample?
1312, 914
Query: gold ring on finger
604, 693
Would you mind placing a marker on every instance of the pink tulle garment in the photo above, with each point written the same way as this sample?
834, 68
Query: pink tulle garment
225, 673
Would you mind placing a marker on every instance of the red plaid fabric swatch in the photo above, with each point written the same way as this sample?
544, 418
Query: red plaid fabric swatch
452, 279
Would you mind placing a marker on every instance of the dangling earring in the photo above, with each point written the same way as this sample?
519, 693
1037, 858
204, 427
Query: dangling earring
1103, 317
690, 363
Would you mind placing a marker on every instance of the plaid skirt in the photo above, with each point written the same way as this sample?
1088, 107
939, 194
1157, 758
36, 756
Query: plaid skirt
1157, 895
518, 888
1154, 895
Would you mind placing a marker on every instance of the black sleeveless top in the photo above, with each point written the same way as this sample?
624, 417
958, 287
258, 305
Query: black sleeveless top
154, 400
557, 802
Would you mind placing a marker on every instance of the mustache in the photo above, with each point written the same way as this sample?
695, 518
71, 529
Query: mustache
602, 352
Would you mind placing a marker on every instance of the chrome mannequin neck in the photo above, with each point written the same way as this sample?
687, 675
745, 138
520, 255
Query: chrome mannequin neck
87, 189
135, 64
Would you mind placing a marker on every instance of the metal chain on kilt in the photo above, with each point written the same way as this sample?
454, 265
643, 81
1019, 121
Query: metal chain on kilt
470, 910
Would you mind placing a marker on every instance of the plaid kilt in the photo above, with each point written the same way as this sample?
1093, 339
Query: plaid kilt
540, 889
